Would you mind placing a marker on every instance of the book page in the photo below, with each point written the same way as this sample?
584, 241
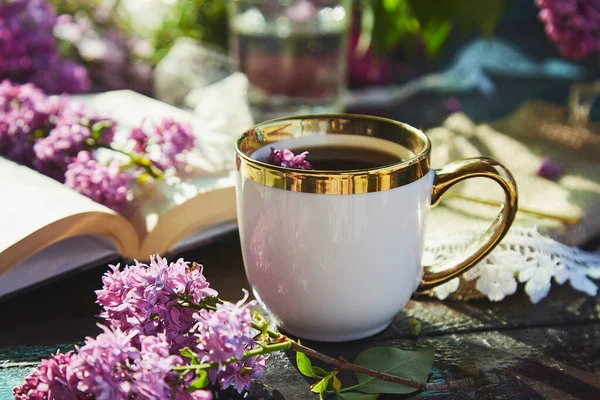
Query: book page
38, 211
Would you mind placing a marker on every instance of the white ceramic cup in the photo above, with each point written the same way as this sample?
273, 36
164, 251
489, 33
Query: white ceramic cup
335, 255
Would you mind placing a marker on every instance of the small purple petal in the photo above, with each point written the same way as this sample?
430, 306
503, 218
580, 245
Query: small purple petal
286, 158
452, 105
549, 170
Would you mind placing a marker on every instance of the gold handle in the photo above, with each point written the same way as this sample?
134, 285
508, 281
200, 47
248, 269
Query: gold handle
449, 176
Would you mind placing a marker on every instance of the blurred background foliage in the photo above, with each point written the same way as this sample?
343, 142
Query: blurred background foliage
204, 20
120, 41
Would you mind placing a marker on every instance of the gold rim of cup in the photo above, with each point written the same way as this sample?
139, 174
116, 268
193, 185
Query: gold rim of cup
333, 182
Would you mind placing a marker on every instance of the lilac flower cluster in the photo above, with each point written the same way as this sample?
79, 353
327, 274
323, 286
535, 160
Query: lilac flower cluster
24, 109
224, 334
149, 299
171, 137
109, 366
30, 52
105, 184
144, 298
572, 25
154, 311
286, 158
45, 132
56, 137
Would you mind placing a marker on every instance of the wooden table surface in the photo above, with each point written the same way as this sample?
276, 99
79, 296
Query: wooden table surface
512, 349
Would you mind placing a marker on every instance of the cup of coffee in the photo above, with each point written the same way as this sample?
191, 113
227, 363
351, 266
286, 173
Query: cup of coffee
334, 253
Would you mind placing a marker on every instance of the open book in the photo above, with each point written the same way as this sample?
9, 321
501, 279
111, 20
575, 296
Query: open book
47, 229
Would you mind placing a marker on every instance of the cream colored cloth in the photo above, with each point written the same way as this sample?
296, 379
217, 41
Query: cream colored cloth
576, 194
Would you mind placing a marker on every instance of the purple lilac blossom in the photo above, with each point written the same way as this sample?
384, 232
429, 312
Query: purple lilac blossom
549, 169
105, 184
111, 367
29, 49
285, 158
225, 334
173, 138
241, 373
56, 151
52, 379
26, 113
143, 298
24, 109
104, 364
139, 138
572, 25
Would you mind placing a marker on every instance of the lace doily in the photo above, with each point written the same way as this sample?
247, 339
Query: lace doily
525, 256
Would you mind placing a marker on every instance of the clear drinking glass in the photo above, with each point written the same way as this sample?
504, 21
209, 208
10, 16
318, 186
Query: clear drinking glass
293, 53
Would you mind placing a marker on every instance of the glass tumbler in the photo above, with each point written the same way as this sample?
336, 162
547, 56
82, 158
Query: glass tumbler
293, 53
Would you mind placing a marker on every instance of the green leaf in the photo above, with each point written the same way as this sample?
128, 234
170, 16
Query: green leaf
414, 365
199, 383
336, 384
434, 34
304, 365
320, 371
356, 396
416, 328
321, 386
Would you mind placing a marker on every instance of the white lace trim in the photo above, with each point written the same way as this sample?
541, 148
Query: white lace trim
525, 256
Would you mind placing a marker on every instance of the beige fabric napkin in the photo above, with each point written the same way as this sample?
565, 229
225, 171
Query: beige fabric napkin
514, 142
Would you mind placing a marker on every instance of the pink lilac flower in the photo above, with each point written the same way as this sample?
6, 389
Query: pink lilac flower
52, 379
285, 158
572, 25
182, 394
104, 365
139, 138
15, 137
143, 299
56, 151
105, 184
173, 138
24, 113
111, 367
241, 373
30, 52
225, 334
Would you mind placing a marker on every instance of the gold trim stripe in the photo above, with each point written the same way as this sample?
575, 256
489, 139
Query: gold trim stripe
333, 182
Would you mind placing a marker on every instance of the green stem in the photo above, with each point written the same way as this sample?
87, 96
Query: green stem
272, 334
265, 349
342, 364
137, 160
284, 343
